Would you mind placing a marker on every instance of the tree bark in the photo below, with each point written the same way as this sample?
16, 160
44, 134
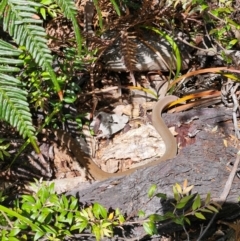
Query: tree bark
203, 163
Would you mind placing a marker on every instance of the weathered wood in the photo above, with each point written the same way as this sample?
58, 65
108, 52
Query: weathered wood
203, 164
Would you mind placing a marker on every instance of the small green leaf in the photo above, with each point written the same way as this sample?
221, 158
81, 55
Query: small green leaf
187, 221
14, 231
43, 215
98, 210
28, 198
169, 215
38, 235
141, 213
69, 218
208, 198
157, 218
96, 231
14, 239
106, 224
206, 210
70, 100
43, 13
121, 219
200, 216
152, 190
117, 212
183, 202
107, 232
65, 201
179, 220
46, 2
212, 208
233, 42
50, 229
176, 194
150, 228
80, 226
163, 196
73, 204
84, 214
197, 203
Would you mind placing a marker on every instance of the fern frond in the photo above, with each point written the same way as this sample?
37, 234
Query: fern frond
128, 49
6, 49
70, 12
22, 23
14, 107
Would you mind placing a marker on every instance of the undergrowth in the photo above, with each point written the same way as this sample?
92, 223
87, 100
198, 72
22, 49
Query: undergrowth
44, 215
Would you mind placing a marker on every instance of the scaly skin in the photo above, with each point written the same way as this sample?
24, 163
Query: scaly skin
158, 123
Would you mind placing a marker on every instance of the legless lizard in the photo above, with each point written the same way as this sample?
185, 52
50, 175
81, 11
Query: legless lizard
158, 123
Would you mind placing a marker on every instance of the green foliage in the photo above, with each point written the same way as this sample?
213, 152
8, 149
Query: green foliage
219, 16
48, 216
70, 11
185, 205
174, 47
49, 7
3, 148
14, 107
23, 24
21, 21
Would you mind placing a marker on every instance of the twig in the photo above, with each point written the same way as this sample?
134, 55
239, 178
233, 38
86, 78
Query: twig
235, 109
224, 194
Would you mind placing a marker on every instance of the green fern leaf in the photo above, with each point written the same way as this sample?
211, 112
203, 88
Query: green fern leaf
70, 11
14, 107
22, 23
